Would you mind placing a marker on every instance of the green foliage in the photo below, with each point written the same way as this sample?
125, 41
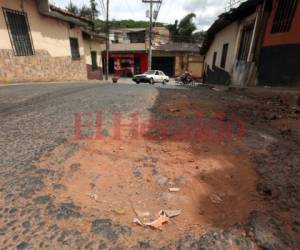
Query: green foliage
119, 24
94, 9
72, 8
184, 30
199, 36
90, 12
86, 11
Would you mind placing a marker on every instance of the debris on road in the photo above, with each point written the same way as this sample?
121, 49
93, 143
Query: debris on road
93, 196
172, 213
174, 189
215, 199
164, 217
119, 211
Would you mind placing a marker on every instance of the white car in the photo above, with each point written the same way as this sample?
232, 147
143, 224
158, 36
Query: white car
152, 76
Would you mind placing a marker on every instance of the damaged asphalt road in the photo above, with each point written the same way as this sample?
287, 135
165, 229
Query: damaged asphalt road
40, 162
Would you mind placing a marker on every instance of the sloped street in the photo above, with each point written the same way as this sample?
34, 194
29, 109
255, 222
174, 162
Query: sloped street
223, 167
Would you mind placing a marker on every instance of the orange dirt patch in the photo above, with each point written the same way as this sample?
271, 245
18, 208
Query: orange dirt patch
117, 179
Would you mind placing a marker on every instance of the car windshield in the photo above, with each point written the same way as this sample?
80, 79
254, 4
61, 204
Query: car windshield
150, 72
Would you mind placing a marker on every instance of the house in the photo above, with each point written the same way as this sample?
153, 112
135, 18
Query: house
229, 45
175, 58
256, 43
40, 42
93, 54
280, 50
128, 52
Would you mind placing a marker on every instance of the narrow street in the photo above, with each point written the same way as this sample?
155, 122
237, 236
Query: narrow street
224, 167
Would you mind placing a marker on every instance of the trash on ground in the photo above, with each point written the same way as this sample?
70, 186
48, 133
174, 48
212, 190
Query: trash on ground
174, 189
93, 196
164, 217
215, 199
172, 213
119, 211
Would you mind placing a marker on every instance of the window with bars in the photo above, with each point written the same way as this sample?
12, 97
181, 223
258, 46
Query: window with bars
19, 32
284, 15
74, 48
245, 42
224, 55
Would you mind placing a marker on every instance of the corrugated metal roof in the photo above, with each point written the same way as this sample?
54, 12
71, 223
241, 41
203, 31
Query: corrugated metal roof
179, 47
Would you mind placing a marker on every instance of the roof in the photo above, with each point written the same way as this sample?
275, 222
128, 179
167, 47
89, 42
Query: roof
52, 11
92, 35
67, 13
127, 30
126, 47
179, 47
245, 9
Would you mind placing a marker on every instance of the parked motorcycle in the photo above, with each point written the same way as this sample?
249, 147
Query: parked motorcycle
185, 79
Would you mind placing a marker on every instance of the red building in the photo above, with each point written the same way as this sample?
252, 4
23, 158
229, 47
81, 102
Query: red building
280, 52
127, 64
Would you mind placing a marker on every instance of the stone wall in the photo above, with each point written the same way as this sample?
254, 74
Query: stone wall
40, 67
94, 74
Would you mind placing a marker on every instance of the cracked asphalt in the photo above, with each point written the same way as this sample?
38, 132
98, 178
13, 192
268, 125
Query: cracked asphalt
37, 119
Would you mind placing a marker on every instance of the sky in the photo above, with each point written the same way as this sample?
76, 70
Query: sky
206, 10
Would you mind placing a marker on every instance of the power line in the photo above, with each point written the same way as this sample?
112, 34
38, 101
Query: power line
107, 40
151, 2
102, 6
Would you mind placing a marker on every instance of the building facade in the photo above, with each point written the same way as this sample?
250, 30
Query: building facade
254, 44
40, 42
280, 53
129, 49
93, 43
230, 43
176, 58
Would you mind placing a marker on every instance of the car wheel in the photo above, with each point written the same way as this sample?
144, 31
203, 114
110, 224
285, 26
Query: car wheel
137, 82
164, 82
151, 81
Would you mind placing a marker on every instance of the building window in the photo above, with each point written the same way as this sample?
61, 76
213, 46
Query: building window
245, 42
284, 15
19, 32
224, 55
74, 48
94, 60
214, 59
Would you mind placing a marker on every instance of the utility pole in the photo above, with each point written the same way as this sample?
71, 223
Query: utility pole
150, 37
150, 30
107, 40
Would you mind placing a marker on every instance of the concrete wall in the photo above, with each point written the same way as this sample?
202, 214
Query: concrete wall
52, 58
89, 46
125, 47
235, 72
280, 53
184, 61
227, 35
291, 37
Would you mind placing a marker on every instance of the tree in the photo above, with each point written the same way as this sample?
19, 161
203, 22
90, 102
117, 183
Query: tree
183, 32
199, 36
94, 9
86, 11
173, 28
90, 12
72, 8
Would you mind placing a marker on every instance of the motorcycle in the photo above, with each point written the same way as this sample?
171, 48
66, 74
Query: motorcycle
185, 80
